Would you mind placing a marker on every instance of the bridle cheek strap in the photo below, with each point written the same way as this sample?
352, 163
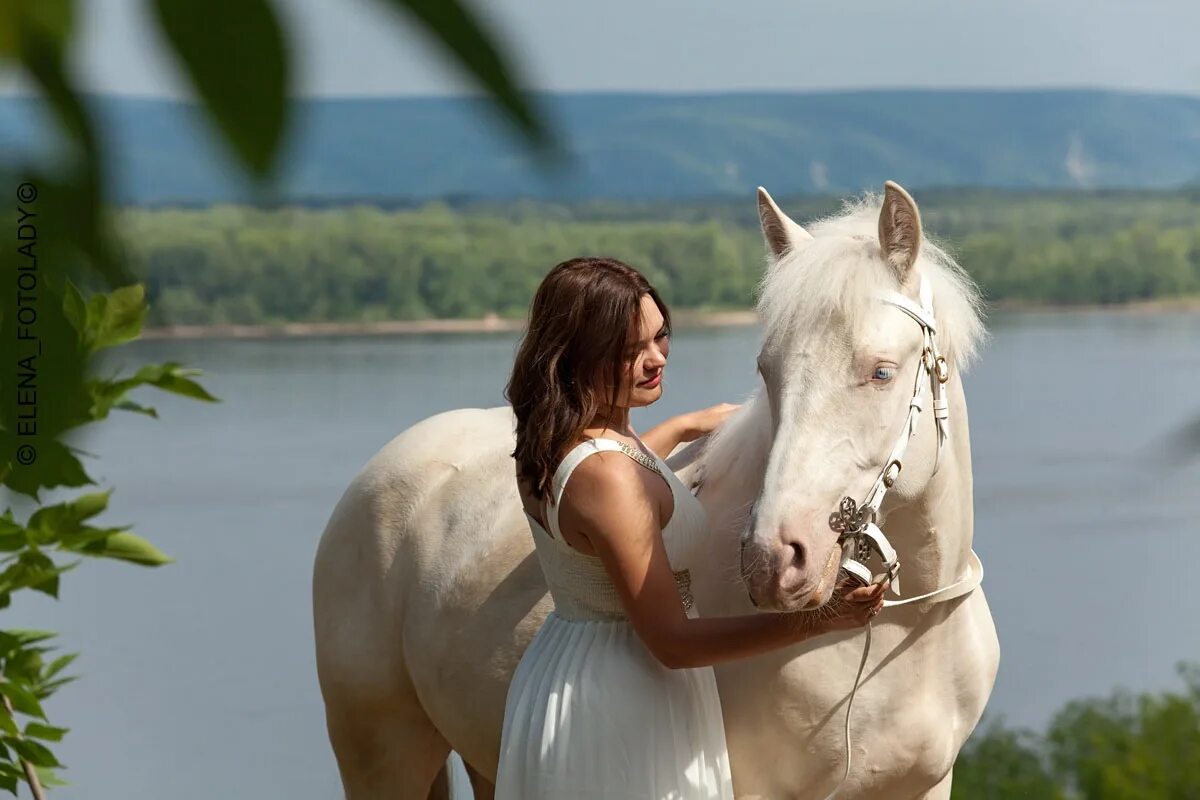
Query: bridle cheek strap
859, 533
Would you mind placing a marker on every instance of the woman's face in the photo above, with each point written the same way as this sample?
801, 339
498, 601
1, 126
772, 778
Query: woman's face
645, 359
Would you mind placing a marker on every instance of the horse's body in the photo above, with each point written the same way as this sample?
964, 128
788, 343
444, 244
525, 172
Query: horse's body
427, 590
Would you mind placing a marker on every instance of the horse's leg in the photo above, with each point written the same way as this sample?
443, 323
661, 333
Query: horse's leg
387, 751
481, 786
942, 790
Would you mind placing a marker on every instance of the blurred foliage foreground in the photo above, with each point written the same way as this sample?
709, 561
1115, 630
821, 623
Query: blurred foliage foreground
1123, 747
68, 295
243, 265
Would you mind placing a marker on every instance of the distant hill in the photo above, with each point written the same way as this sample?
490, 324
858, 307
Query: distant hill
662, 146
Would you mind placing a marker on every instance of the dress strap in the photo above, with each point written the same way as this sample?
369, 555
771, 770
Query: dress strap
573, 459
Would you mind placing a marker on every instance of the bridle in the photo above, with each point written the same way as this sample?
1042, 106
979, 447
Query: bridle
856, 524
859, 533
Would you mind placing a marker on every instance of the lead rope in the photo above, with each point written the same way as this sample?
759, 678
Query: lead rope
957, 589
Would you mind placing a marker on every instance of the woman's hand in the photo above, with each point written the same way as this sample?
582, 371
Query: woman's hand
706, 420
855, 608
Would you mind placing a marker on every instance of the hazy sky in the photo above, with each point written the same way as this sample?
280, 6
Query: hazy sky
356, 47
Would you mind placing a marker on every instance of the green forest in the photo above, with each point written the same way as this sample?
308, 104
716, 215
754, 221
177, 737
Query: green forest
364, 263
1127, 746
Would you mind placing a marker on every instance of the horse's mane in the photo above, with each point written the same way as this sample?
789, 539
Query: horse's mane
838, 272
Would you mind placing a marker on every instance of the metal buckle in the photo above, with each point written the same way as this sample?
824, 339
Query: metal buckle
943, 369
889, 477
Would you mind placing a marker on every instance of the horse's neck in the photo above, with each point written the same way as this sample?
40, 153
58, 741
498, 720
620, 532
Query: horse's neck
933, 532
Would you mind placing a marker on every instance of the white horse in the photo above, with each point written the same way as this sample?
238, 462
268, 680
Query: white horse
426, 587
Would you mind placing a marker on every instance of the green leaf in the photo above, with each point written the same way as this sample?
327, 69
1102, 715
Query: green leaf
52, 523
49, 688
475, 49
9, 784
83, 538
58, 665
51, 19
27, 636
46, 733
169, 377
8, 724
12, 534
116, 317
172, 377
37, 754
22, 699
49, 777
56, 465
127, 546
33, 570
129, 405
47, 585
234, 54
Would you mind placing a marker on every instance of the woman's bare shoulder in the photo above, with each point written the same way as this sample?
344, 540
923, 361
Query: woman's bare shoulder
608, 480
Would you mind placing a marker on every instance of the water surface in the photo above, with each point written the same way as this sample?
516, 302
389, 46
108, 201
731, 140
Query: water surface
198, 679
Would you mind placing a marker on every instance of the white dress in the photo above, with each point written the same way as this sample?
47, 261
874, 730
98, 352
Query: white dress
591, 714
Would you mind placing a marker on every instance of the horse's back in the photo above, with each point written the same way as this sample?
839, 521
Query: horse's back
425, 581
374, 534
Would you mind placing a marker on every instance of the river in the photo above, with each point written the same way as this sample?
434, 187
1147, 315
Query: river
197, 679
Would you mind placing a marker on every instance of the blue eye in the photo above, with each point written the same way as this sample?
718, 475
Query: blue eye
883, 374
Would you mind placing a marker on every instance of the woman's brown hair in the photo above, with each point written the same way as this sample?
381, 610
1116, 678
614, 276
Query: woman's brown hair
579, 324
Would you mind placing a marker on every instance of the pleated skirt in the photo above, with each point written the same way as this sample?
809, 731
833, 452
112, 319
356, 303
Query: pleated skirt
592, 715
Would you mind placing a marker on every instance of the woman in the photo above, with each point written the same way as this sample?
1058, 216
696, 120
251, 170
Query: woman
615, 698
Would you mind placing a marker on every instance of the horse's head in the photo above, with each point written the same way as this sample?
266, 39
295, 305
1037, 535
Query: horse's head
839, 368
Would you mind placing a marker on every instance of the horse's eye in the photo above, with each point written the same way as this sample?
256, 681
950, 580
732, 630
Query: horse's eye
883, 374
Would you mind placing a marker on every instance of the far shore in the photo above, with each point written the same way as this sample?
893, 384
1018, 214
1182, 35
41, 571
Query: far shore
493, 323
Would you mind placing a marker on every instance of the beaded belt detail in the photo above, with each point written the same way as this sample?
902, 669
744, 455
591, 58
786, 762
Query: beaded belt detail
683, 582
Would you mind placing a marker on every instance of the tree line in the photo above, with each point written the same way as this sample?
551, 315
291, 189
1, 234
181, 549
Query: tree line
1127, 746
363, 263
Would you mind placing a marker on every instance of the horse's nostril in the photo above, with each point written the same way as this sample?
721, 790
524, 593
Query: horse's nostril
798, 554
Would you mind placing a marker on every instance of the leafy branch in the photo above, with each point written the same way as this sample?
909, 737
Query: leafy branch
237, 58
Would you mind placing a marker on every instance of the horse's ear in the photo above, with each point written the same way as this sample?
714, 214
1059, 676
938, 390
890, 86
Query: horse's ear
781, 233
899, 229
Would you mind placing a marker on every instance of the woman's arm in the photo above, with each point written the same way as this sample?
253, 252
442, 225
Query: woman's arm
666, 436
612, 505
